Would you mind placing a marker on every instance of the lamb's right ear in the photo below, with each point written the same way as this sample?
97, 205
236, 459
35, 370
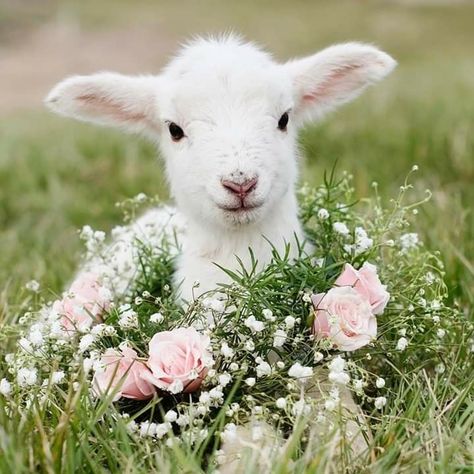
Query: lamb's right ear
108, 99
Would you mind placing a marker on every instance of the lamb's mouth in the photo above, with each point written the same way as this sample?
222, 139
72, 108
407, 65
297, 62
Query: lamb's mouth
241, 208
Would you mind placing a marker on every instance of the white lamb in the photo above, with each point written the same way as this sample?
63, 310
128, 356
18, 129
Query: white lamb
225, 116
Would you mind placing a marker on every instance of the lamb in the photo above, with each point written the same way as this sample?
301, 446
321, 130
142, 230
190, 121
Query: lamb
225, 117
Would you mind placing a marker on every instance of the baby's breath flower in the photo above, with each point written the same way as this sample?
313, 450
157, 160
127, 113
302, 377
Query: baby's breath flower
380, 402
86, 341
156, 318
263, 369
33, 286
380, 382
224, 379
290, 322
250, 381
300, 372
27, 376
5, 387
279, 338
254, 324
318, 357
57, 377
409, 241
281, 403
402, 344
268, 314
340, 228
323, 214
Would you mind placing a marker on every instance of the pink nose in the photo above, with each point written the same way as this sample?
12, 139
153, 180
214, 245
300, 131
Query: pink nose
241, 190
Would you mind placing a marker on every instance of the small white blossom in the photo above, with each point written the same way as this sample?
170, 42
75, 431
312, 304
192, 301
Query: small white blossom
182, 420
250, 381
290, 322
226, 351
224, 379
5, 387
279, 338
380, 382
86, 341
441, 333
440, 368
128, 319
318, 357
171, 416
27, 376
340, 228
249, 345
300, 372
268, 314
402, 344
380, 402
254, 324
156, 318
339, 377
36, 338
281, 403
337, 364
409, 241
25, 344
33, 286
57, 377
323, 214
263, 369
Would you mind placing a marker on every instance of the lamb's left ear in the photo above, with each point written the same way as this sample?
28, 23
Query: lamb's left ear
107, 99
334, 76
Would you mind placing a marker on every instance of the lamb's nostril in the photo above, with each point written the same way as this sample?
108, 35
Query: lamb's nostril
241, 189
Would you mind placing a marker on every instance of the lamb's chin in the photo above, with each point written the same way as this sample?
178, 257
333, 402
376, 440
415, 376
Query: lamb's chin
241, 216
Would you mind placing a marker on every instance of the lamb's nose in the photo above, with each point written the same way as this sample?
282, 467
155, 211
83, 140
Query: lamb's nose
240, 189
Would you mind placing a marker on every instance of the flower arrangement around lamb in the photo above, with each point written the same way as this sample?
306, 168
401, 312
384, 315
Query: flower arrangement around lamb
355, 305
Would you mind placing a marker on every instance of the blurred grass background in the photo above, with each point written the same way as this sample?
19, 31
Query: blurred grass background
57, 175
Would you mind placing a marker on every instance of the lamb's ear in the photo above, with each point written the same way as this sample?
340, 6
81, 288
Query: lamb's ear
107, 99
335, 75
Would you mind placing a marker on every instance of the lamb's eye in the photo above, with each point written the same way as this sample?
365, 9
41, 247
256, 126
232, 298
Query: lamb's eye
176, 132
283, 122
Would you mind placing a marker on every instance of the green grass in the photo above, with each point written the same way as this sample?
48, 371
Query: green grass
56, 175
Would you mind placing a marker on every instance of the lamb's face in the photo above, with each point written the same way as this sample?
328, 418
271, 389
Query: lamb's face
228, 139
225, 117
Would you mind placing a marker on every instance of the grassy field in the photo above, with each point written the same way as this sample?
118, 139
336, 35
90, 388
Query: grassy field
56, 176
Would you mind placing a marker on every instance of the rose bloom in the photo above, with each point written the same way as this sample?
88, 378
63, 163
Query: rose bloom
178, 359
345, 317
367, 283
83, 303
123, 374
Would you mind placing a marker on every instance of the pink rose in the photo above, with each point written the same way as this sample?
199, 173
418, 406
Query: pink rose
83, 303
124, 375
367, 283
345, 317
178, 360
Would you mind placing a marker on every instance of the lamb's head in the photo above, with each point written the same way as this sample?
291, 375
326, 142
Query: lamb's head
225, 116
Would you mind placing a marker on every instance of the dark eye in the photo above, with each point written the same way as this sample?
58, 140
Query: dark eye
283, 122
176, 132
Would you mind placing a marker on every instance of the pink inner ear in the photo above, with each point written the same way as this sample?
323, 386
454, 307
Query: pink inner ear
339, 80
102, 106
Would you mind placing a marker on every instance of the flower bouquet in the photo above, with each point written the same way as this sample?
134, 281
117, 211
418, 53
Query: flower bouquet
363, 308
